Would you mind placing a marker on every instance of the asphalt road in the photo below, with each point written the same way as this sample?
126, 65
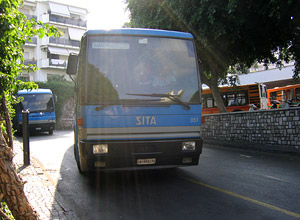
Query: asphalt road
227, 184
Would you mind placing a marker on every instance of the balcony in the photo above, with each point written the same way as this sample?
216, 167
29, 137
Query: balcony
30, 61
64, 42
30, 17
61, 42
71, 22
67, 21
33, 42
54, 63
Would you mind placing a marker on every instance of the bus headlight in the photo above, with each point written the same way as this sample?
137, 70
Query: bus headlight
100, 148
188, 146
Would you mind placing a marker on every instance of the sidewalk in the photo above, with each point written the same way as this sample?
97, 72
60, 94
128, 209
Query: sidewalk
39, 189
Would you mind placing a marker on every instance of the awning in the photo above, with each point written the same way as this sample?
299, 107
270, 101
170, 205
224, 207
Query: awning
58, 51
73, 51
77, 11
75, 34
58, 9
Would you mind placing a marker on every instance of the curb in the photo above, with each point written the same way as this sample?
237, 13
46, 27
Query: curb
40, 189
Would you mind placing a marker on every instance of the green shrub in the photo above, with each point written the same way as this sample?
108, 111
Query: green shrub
63, 89
5, 210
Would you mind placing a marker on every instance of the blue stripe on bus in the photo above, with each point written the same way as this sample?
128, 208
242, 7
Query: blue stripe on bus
142, 32
38, 116
137, 110
118, 116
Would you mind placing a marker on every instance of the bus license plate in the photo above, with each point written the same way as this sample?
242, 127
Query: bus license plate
146, 161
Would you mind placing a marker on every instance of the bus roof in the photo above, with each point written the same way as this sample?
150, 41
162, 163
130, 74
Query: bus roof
35, 91
141, 32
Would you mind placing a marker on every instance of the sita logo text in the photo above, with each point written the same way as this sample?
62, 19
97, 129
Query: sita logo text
145, 120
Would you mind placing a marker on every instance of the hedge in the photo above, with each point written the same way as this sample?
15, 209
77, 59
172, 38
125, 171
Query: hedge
62, 88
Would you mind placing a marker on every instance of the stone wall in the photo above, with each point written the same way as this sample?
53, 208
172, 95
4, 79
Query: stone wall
276, 130
66, 120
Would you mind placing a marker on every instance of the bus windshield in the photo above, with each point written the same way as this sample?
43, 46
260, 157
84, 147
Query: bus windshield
37, 102
128, 68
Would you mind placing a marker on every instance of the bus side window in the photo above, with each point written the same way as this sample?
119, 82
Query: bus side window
225, 100
210, 103
297, 94
204, 105
290, 94
231, 100
273, 95
241, 98
283, 96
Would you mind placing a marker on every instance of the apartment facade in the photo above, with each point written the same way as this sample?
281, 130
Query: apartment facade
50, 54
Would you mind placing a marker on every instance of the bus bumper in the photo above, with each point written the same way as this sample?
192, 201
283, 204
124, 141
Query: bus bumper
42, 127
144, 154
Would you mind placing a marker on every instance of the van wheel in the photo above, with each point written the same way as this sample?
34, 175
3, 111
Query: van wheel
50, 132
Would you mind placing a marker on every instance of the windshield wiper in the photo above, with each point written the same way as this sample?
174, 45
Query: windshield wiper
174, 98
38, 111
124, 102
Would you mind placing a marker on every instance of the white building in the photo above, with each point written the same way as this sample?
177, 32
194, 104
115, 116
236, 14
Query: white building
273, 77
50, 54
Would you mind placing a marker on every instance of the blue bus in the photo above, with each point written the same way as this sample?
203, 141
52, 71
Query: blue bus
41, 106
137, 100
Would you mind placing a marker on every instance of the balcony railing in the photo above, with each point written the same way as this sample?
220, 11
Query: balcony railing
57, 63
54, 63
67, 21
33, 41
30, 61
64, 42
30, 17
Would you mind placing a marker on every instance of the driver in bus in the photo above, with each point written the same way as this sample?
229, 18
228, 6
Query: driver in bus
166, 77
143, 74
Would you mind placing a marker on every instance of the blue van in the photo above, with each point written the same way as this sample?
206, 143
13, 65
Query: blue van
41, 106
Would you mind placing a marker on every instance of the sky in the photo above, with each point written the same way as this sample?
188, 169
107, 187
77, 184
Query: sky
106, 14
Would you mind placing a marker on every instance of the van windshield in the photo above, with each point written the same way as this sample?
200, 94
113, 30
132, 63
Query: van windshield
37, 102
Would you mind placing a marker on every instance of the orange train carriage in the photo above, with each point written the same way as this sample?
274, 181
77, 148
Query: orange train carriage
239, 98
285, 94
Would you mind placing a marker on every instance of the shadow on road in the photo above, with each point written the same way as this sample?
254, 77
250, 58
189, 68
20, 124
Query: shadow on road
150, 194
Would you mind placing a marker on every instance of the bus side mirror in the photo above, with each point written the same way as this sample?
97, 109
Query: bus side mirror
72, 64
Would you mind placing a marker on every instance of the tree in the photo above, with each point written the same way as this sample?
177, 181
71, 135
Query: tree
14, 30
230, 35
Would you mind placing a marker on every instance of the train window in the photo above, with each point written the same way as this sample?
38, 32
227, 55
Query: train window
289, 94
297, 93
273, 95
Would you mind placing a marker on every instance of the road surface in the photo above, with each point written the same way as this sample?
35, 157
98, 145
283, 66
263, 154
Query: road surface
227, 184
